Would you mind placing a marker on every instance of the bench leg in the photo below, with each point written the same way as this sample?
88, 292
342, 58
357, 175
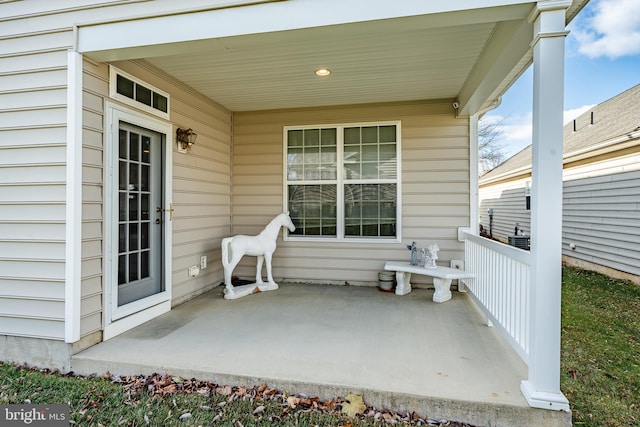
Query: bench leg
462, 285
403, 283
443, 290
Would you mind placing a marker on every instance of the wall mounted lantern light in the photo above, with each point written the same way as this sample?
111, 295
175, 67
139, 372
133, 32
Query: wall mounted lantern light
185, 139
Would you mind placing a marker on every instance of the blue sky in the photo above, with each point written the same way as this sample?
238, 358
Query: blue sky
602, 59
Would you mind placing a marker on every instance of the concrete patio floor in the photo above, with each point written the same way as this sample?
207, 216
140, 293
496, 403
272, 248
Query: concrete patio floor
403, 353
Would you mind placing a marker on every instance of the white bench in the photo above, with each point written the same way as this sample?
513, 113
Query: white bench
442, 277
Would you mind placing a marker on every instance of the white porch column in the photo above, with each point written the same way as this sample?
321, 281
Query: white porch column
73, 245
542, 389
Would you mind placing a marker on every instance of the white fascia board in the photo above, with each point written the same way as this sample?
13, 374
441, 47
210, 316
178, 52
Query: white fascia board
608, 146
509, 44
168, 31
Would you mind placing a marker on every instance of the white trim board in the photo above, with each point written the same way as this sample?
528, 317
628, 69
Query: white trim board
73, 237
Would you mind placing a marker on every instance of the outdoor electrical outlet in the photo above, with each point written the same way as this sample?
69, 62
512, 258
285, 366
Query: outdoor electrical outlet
203, 262
194, 271
458, 264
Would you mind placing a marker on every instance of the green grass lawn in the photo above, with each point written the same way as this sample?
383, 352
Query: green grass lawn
172, 401
600, 361
600, 375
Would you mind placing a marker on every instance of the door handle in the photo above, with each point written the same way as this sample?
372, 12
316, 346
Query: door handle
170, 210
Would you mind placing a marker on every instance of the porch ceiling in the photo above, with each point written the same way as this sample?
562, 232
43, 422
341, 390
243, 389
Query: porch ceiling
466, 53
370, 62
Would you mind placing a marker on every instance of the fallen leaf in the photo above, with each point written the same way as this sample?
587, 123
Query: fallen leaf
293, 402
170, 389
354, 405
225, 391
185, 416
258, 410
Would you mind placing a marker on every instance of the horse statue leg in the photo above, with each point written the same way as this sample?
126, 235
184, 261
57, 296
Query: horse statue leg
259, 261
229, 265
272, 283
228, 271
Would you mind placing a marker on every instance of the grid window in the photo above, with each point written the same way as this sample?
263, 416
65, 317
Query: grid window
133, 207
342, 181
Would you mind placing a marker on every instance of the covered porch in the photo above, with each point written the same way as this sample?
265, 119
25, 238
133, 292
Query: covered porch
441, 70
402, 353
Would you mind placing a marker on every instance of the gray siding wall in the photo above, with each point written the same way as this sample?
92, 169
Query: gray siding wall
509, 207
601, 212
602, 219
435, 185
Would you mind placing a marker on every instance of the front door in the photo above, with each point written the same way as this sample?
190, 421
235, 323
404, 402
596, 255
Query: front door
139, 248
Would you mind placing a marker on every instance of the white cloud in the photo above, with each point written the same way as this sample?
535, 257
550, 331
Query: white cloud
612, 29
569, 115
519, 129
515, 130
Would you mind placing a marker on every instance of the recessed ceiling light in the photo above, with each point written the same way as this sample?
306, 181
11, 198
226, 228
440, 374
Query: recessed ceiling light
323, 72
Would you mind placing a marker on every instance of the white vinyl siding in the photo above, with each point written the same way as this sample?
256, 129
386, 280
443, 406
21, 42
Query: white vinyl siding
94, 85
32, 182
201, 182
435, 188
35, 37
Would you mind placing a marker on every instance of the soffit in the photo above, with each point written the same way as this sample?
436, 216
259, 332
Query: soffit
369, 63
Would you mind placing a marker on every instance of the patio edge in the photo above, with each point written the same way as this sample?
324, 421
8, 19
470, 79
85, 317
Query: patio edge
475, 413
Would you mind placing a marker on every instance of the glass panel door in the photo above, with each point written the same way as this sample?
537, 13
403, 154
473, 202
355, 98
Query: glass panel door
139, 251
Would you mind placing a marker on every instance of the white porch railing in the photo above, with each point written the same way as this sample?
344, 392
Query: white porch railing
501, 287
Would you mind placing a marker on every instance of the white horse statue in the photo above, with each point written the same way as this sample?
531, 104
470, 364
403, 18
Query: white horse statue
261, 246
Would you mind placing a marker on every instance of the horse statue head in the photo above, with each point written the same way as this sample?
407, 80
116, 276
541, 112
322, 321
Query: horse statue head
285, 221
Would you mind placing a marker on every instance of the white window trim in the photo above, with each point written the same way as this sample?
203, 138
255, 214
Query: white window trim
113, 93
339, 182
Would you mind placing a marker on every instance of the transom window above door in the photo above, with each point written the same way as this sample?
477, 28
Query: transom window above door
342, 181
135, 92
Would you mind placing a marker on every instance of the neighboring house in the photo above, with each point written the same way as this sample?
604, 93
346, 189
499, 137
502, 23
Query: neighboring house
102, 211
601, 197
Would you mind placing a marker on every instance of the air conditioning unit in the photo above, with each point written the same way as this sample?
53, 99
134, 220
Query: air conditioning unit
522, 242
